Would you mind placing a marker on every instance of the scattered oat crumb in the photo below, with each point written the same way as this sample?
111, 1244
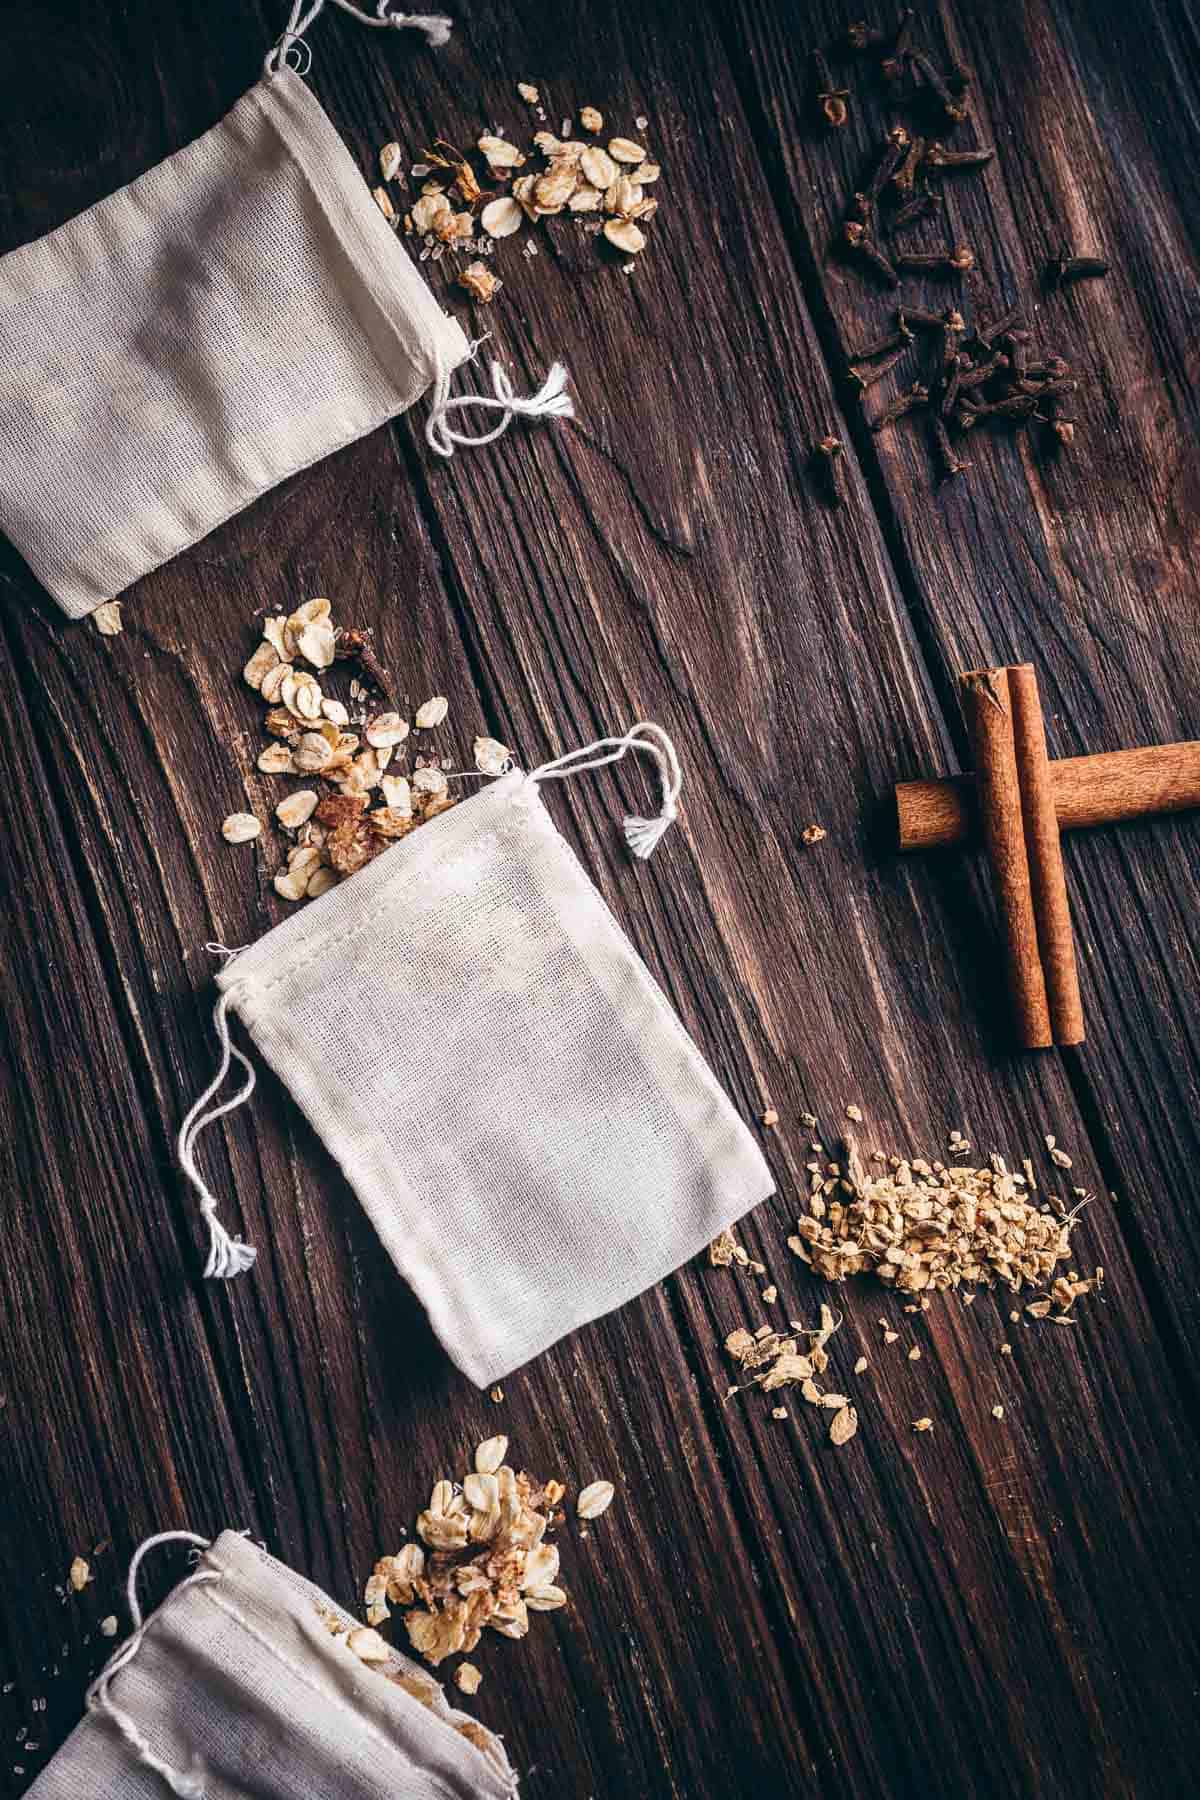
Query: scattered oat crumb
528, 92
889, 1337
496, 1394
591, 120
922, 1424
914, 1354
80, 1574
467, 1678
478, 281
770, 1117
770, 1295
997, 1412
813, 834
808, 1120
855, 1113
1006, 1349
108, 1626
861, 1366
779, 1412
724, 1250
107, 619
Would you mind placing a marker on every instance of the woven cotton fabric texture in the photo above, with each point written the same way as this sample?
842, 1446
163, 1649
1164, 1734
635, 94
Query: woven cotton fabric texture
231, 317
239, 1686
508, 1091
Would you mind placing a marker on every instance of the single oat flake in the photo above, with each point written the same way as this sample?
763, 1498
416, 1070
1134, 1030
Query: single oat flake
80, 1574
432, 713
596, 1498
500, 218
467, 1678
844, 1426
240, 828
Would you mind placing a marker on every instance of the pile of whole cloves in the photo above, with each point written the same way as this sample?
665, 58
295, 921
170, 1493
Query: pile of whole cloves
986, 373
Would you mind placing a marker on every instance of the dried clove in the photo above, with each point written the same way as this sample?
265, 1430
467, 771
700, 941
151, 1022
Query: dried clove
973, 378
868, 378
895, 145
355, 646
908, 400
905, 177
938, 157
987, 334
1062, 427
1050, 370
831, 101
828, 455
909, 214
1013, 406
893, 64
921, 318
951, 382
953, 105
1014, 343
881, 346
861, 37
862, 245
951, 463
1066, 268
946, 263
953, 327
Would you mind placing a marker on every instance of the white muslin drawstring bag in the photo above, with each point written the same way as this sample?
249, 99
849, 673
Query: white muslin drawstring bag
508, 1091
234, 315
244, 1682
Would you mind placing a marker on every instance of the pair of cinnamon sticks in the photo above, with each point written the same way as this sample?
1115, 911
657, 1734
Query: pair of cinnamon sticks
1017, 813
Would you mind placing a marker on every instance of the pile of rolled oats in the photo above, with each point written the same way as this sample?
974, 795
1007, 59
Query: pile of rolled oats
482, 1560
919, 1225
465, 207
358, 750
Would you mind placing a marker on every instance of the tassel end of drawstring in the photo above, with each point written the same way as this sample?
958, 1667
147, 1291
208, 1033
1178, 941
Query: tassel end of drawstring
551, 401
644, 835
436, 27
227, 1256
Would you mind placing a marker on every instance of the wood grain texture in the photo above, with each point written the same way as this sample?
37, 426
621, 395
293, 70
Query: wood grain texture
996, 1608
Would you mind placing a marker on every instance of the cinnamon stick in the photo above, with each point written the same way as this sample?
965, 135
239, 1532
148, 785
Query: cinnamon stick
988, 706
1088, 790
1051, 907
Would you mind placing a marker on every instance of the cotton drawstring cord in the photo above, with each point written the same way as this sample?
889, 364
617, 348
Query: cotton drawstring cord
642, 835
550, 402
188, 1783
227, 1256
436, 28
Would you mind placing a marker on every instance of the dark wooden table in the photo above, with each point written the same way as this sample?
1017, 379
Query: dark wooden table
996, 1608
